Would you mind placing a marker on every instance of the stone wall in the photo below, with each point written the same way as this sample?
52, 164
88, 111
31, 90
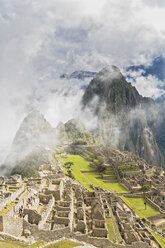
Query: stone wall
41, 186
133, 195
99, 232
12, 225
46, 213
45, 198
1, 223
56, 193
98, 242
62, 220
33, 216
71, 212
47, 235
10, 237
12, 197
22, 201
138, 245
52, 235
159, 216
103, 242
153, 204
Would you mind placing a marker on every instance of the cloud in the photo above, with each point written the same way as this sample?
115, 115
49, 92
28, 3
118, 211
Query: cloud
155, 3
42, 39
148, 86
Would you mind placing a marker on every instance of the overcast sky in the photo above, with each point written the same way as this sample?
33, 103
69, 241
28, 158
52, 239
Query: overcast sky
41, 39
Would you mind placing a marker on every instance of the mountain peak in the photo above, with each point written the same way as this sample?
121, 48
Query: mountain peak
34, 114
109, 73
111, 88
75, 124
34, 131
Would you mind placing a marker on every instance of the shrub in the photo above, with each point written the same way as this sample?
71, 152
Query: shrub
144, 220
68, 165
101, 168
70, 174
145, 188
79, 142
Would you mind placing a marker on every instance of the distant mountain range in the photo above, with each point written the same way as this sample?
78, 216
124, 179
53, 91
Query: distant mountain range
82, 75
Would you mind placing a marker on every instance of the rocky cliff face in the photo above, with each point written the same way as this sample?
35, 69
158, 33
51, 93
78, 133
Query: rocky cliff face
121, 110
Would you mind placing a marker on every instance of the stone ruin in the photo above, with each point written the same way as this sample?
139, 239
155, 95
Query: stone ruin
52, 207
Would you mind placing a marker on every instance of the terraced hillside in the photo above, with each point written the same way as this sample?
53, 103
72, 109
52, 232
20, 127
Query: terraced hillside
103, 167
88, 168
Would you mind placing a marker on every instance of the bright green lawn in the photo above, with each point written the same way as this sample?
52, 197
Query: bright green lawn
64, 244
9, 244
113, 231
60, 244
80, 164
159, 238
37, 244
138, 205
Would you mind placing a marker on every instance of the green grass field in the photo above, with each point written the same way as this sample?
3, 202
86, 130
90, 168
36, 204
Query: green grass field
60, 244
80, 164
138, 205
8, 244
159, 238
64, 244
113, 231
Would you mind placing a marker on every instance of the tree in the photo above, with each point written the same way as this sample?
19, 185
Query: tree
145, 188
100, 168
70, 174
68, 165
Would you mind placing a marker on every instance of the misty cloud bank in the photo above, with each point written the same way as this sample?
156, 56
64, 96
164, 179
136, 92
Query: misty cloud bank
40, 40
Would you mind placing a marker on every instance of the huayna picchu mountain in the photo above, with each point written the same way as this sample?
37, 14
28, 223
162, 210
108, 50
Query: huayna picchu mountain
122, 114
111, 88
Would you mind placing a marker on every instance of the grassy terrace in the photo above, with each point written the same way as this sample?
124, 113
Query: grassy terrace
80, 164
138, 205
159, 238
9, 244
149, 173
60, 244
129, 168
113, 231
64, 244
9, 207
